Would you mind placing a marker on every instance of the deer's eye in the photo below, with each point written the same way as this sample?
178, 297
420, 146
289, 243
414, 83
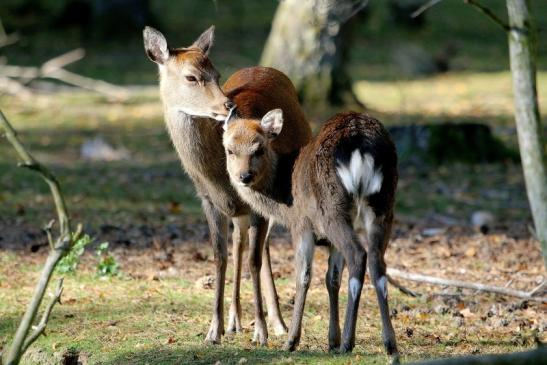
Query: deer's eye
259, 152
230, 152
191, 78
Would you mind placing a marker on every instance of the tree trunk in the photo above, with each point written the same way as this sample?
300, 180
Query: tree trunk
530, 132
308, 42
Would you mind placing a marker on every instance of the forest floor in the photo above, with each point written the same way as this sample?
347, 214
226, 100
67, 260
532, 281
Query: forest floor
158, 308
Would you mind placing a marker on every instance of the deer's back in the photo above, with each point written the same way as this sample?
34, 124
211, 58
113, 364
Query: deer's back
315, 170
257, 90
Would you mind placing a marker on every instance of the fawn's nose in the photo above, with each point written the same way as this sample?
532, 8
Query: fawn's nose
229, 105
246, 177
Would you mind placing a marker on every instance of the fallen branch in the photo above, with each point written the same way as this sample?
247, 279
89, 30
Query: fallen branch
54, 69
465, 285
61, 246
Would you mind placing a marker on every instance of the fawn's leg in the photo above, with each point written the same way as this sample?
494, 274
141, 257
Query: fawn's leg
257, 234
239, 238
333, 280
218, 228
305, 242
378, 237
342, 236
272, 300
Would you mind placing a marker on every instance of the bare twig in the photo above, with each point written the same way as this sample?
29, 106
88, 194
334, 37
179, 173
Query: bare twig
402, 288
483, 9
465, 285
489, 13
41, 326
539, 288
50, 179
358, 7
424, 7
61, 246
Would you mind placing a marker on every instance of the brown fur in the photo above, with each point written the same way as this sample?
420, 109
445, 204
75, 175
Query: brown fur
191, 108
321, 207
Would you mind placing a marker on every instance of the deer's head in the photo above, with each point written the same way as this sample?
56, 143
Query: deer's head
250, 158
188, 80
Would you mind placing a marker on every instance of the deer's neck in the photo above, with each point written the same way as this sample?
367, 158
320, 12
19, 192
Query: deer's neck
198, 143
274, 197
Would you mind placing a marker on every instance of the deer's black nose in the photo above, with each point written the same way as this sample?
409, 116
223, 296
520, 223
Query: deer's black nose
246, 177
229, 105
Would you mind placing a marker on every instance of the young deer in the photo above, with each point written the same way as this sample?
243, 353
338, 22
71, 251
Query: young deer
193, 104
347, 173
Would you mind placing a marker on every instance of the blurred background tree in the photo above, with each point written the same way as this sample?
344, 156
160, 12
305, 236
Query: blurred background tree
310, 41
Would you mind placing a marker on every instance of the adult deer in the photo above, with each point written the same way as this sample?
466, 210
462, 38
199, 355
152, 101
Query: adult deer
345, 178
193, 104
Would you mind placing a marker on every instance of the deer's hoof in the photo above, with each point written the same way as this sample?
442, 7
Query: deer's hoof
290, 346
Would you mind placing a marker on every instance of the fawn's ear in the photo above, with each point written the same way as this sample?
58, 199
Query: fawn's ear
272, 123
205, 40
155, 45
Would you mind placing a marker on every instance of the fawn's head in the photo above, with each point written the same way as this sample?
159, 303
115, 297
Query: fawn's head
250, 158
188, 79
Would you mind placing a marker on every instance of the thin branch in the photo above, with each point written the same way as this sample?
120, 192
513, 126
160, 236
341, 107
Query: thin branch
62, 245
489, 13
424, 7
50, 179
40, 328
402, 288
539, 288
48, 228
465, 285
360, 6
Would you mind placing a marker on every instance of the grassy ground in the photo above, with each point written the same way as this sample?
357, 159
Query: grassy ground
157, 311
145, 206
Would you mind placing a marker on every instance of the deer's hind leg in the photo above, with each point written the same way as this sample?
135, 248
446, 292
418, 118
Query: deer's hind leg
378, 232
333, 280
340, 233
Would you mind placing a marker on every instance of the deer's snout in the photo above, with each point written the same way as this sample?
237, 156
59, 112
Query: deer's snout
246, 177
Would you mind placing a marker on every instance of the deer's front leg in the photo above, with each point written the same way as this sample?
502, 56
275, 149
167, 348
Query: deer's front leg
239, 237
305, 246
257, 234
275, 319
218, 228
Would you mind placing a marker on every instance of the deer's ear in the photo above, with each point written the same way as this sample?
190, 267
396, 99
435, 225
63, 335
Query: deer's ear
205, 40
272, 123
155, 45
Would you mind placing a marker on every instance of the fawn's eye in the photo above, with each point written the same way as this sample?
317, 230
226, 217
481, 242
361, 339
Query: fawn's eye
230, 152
191, 78
259, 152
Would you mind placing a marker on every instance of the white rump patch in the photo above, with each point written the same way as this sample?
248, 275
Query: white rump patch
359, 177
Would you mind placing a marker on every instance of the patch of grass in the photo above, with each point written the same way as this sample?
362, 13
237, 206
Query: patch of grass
140, 317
